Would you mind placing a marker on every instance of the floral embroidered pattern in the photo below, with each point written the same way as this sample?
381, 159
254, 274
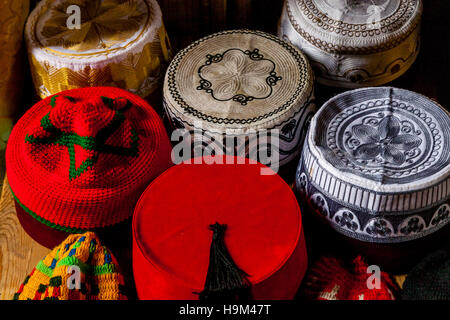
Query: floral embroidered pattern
412, 225
441, 216
103, 24
241, 76
320, 205
379, 227
347, 219
384, 141
358, 7
302, 184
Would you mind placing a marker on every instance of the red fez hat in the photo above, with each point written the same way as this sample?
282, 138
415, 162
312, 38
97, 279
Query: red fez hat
212, 231
80, 159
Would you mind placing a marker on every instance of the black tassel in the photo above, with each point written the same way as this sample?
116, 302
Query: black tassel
224, 280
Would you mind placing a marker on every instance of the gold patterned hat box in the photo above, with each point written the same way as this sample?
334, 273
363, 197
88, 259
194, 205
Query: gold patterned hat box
86, 43
354, 43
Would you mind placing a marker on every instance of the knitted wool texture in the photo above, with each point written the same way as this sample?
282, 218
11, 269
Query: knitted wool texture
330, 279
430, 279
79, 160
99, 277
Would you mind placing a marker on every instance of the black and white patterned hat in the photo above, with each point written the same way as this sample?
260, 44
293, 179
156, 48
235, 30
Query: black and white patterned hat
353, 43
236, 82
376, 165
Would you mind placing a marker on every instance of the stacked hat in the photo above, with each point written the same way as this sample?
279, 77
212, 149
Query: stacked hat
376, 167
79, 160
354, 43
332, 279
232, 230
83, 43
80, 268
238, 85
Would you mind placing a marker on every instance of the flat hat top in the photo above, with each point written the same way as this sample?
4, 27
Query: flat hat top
387, 138
107, 28
173, 215
356, 11
355, 25
76, 156
236, 79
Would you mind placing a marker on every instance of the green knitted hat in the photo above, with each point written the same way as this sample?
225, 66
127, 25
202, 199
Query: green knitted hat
430, 279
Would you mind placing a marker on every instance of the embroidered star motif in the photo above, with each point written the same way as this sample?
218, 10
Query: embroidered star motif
96, 143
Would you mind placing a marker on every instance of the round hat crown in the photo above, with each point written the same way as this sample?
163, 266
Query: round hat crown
80, 159
84, 128
353, 25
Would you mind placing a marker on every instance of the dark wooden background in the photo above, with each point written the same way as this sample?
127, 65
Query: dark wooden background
188, 20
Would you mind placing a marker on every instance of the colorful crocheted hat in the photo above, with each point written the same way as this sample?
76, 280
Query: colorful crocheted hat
228, 232
331, 279
79, 160
80, 268
430, 279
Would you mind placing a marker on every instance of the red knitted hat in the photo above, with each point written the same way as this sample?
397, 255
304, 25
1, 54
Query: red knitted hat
80, 159
222, 226
331, 279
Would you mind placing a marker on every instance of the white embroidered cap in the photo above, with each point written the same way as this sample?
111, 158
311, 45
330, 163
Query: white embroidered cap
376, 165
353, 43
237, 82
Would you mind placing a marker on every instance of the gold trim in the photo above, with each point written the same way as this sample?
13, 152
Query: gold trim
45, 48
139, 73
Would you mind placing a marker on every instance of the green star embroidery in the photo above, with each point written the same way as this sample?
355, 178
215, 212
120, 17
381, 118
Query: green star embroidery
96, 143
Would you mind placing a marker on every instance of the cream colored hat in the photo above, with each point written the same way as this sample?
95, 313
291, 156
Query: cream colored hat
353, 43
119, 43
240, 81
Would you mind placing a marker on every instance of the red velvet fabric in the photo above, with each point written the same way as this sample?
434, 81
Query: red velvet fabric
81, 159
171, 237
